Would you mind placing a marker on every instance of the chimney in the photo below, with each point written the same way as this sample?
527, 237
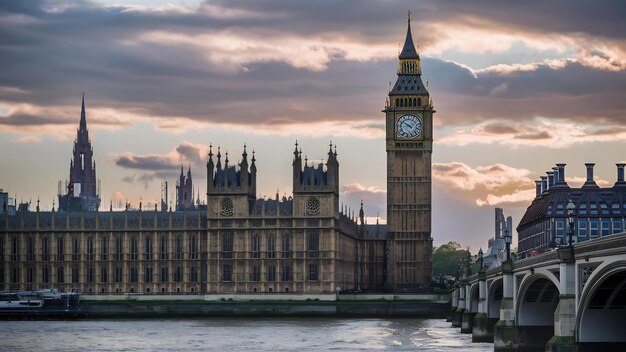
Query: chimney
550, 179
590, 183
537, 188
556, 175
561, 174
620, 175
544, 183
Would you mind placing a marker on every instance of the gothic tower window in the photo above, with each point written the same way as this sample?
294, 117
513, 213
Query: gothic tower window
75, 249
148, 247
90, 253
271, 246
254, 247
163, 247
179, 247
45, 248
133, 248
60, 249
286, 245
193, 249
104, 249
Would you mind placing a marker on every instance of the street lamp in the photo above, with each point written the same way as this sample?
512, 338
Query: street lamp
507, 241
571, 219
480, 258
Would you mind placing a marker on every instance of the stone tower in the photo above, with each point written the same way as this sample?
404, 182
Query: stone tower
409, 144
315, 187
82, 193
184, 191
231, 190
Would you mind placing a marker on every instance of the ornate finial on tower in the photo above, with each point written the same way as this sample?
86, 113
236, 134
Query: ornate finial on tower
140, 202
38, 204
52, 205
253, 158
210, 150
244, 155
335, 154
408, 16
111, 205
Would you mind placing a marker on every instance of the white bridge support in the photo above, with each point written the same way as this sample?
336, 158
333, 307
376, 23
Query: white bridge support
569, 299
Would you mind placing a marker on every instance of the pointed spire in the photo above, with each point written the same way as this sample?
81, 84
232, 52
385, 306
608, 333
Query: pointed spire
295, 151
244, 155
37, 204
210, 150
83, 119
111, 205
181, 170
253, 157
408, 50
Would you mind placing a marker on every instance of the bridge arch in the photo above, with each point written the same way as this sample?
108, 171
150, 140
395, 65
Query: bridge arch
537, 299
601, 314
474, 298
495, 292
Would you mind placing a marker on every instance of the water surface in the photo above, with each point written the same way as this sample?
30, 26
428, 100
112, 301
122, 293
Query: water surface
237, 334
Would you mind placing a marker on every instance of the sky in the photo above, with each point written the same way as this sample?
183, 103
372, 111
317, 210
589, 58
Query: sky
517, 86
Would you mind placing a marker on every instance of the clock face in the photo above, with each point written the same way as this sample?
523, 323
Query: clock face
409, 126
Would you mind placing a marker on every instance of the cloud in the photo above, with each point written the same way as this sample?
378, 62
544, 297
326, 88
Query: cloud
374, 200
484, 185
152, 167
273, 66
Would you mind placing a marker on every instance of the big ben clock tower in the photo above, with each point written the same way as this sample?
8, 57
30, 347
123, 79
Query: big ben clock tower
409, 144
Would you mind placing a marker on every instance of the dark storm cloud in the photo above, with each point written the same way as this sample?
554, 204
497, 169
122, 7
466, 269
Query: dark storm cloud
145, 162
54, 50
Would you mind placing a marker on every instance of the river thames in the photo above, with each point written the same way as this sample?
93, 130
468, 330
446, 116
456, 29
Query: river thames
237, 334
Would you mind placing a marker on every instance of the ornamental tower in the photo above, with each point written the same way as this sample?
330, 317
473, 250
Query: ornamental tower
82, 193
409, 144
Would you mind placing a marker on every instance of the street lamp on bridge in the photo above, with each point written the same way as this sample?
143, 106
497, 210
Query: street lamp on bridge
480, 258
571, 219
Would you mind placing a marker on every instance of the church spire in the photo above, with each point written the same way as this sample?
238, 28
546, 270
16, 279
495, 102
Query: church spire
83, 119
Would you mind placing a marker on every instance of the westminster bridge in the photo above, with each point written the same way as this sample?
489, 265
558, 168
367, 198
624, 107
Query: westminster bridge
570, 299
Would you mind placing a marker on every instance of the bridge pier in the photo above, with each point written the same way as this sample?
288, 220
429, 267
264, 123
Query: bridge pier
455, 304
481, 329
505, 334
468, 315
457, 321
565, 314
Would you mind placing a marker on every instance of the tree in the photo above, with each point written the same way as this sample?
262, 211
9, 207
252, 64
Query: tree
446, 259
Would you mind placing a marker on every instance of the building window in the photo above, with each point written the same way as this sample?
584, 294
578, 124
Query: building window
60, 275
593, 209
133, 274
75, 275
15, 249
255, 274
193, 248
271, 273
15, 275
193, 274
60, 249
163, 274
593, 226
606, 227
118, 274
313, 245
419, 101
148, 249
582, 228
45, 274
118, 249
90, 253
163, 247
45, 249
582, 209
559, 228
133, 248
286, 245
286, 274
617, 225
178, 274
30, 249
615, 208
179, 247
271, 246
90, 274
147, 275
604, 209
227, 272
313, 272
104, 251
75, 249
30, 275
254, 250
227, 245
104, 275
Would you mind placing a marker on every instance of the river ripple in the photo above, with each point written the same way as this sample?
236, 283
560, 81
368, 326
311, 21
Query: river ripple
236, 334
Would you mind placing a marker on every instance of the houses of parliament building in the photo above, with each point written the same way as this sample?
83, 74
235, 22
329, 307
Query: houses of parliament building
307, 243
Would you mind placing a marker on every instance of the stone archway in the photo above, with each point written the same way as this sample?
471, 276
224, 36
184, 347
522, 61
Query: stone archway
601, 318
537, 301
